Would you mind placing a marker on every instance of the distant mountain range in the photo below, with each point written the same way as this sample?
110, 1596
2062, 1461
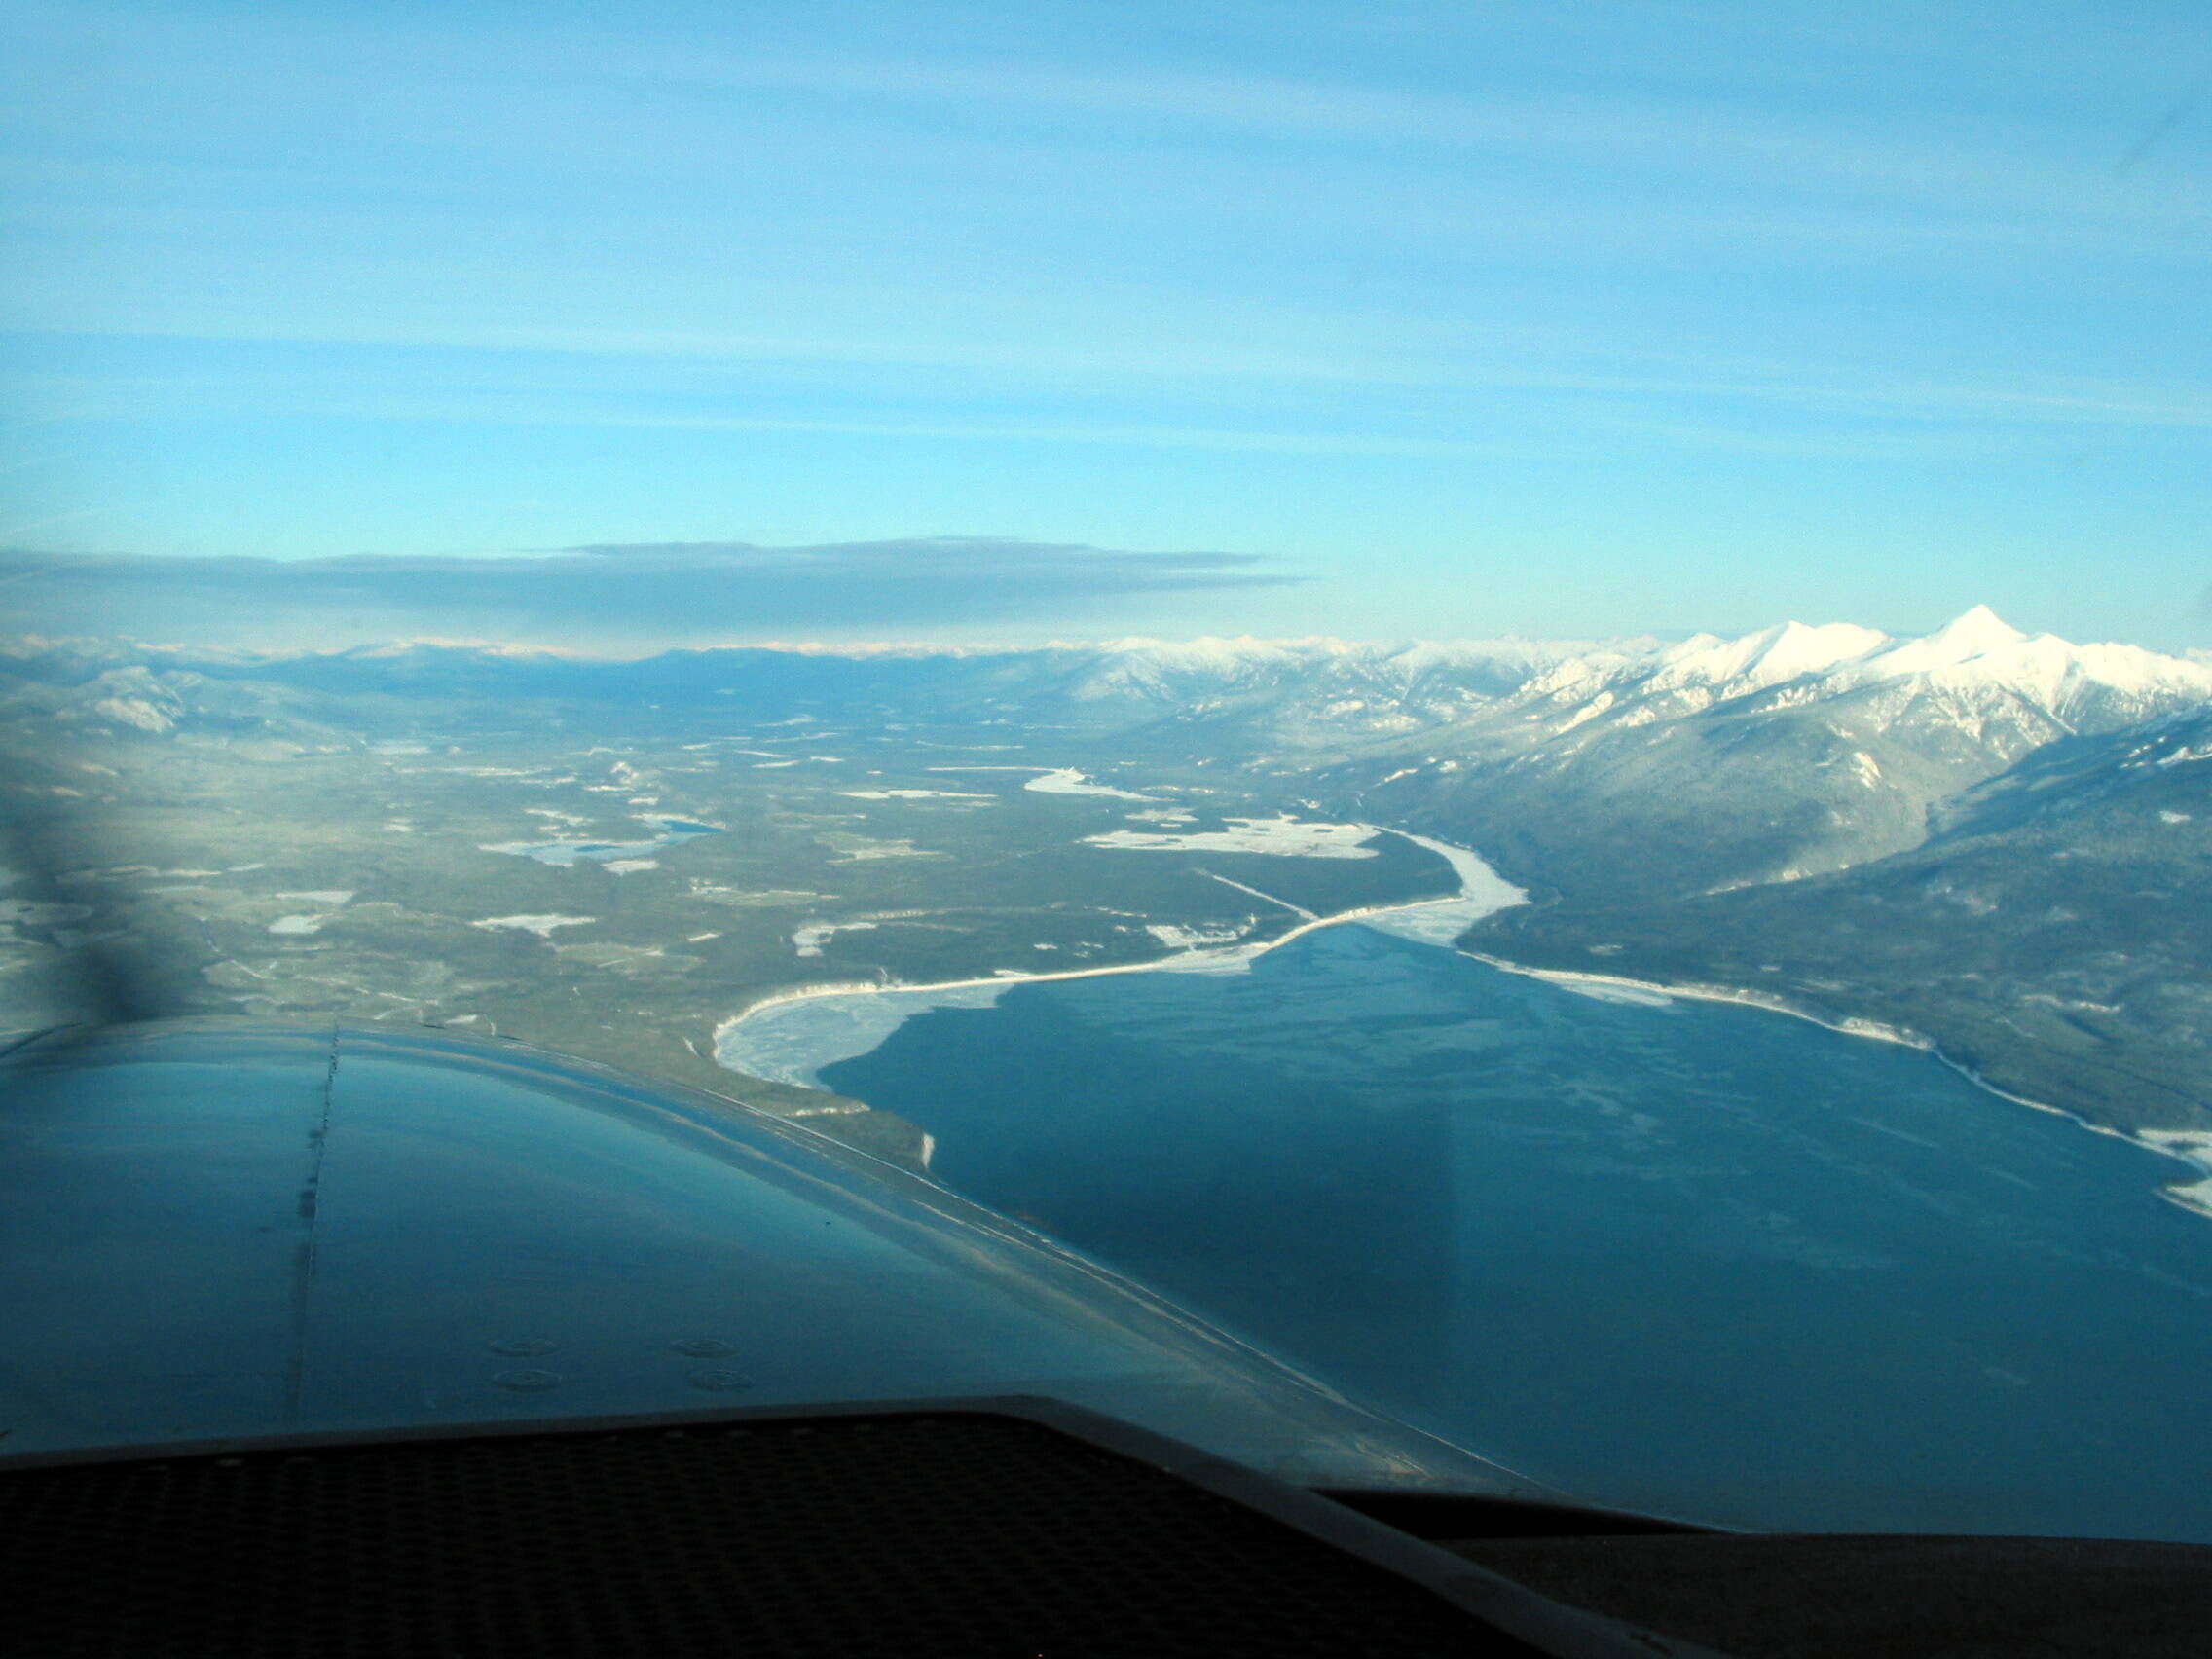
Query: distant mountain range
1616, 771
2000, 838
1631, 775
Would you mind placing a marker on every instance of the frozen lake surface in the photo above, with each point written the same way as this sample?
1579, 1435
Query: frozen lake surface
672, 833
1677, 1255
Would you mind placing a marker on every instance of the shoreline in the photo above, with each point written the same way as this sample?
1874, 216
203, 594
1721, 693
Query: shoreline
2192, 1146
1483, 891
1479, 886
1850, 1025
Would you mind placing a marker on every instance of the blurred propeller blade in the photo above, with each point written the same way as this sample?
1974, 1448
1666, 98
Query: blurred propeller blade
96, 971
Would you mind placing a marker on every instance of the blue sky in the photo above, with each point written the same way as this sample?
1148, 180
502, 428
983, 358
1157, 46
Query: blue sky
1454, 318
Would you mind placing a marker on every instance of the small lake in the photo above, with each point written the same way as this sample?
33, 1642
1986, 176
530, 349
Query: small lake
672, 833
1682, 1256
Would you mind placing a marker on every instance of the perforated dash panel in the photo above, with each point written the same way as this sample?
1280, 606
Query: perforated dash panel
913, 1534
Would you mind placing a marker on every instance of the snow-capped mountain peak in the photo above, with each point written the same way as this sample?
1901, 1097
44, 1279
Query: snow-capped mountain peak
1974, 633
1978, 655
1771, 657
1979, 636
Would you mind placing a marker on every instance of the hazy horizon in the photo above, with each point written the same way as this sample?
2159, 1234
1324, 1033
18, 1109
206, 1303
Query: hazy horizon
1398, 320
277, 630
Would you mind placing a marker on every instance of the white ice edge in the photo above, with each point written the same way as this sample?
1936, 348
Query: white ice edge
875, 1011
2193, 1147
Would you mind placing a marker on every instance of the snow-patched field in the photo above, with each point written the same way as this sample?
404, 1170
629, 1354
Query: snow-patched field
1289, 836
1066, 780
914, 794
632, 854
810, 939
849, 848
541, 926
1192, 939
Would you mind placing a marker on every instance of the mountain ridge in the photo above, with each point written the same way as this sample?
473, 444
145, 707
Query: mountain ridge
2050, 935
1791, 751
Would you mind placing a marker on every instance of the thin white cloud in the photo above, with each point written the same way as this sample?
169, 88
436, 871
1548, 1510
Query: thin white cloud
658, 590
1461, 383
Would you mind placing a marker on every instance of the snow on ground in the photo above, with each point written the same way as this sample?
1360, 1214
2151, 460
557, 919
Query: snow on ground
2195, 1147
1066, 780
1190, 938
1612, 991
914, 794
793, 1039
564, 855
851, 847
810, 939
1289, 836
1483, 891
742, 898
541, 926
297, 924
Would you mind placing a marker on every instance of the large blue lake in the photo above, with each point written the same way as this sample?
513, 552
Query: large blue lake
1688, 1257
